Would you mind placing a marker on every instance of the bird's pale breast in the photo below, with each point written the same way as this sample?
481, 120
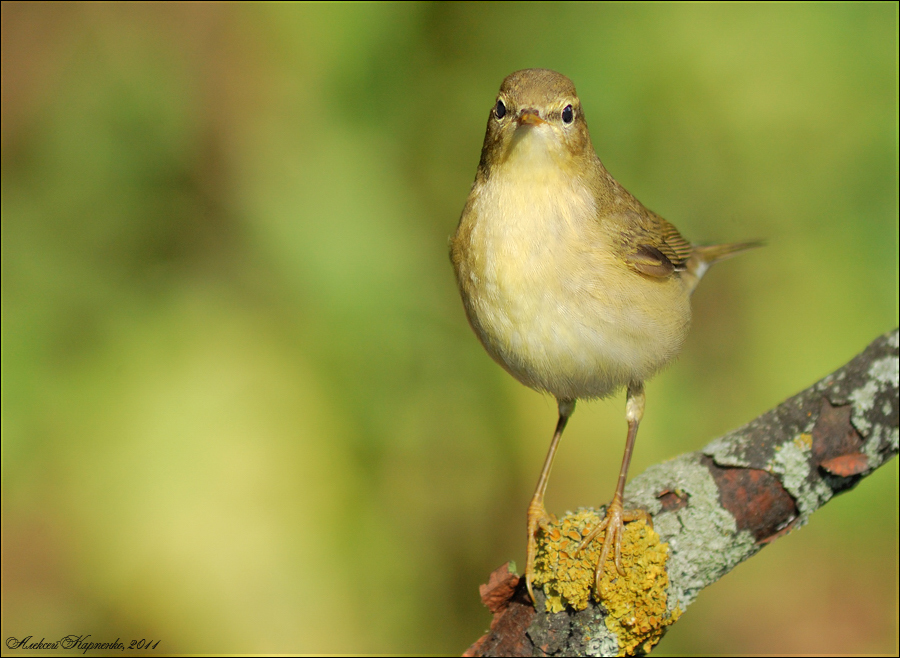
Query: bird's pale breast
549, 298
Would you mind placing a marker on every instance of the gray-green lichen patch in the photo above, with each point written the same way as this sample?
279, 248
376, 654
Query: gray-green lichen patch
728, 450
701, 534
596, 639
874, 450
791, 463
884, 375
604, 644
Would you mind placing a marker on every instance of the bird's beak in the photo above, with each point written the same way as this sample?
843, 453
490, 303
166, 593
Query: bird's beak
530, 117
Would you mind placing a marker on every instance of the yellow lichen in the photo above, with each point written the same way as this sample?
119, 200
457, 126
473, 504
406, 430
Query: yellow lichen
804, 441
635, 602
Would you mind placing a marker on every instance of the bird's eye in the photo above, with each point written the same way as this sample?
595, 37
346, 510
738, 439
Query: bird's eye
568, 114
500, 110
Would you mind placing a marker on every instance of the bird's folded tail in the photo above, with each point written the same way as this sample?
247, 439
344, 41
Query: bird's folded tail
703, 256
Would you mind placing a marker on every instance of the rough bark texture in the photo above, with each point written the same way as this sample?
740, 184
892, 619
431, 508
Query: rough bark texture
720, 505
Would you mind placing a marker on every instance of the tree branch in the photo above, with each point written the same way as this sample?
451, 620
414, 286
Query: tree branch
713, 508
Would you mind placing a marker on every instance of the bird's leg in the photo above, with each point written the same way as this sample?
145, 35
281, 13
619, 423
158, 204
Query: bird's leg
538, 518
616, 516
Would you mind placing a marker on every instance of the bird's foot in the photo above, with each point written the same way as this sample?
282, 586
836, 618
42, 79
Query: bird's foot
614, 525
538, 519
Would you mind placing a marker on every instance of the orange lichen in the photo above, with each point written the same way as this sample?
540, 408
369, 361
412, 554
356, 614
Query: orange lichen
635, 603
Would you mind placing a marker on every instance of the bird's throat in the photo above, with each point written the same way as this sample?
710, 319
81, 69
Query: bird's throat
533, 153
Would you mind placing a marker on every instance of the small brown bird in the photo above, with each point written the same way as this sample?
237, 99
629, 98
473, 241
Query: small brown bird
571, 285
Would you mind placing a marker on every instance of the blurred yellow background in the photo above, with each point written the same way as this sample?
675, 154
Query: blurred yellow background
242, 410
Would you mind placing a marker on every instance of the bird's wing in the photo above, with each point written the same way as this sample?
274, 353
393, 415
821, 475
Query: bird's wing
652, 246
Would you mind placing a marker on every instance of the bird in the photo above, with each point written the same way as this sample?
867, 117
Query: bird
572, 285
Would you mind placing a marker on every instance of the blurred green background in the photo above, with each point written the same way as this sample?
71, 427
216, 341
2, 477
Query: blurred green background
242, 410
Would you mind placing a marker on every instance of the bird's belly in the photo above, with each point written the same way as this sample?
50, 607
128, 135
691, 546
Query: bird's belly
573, 322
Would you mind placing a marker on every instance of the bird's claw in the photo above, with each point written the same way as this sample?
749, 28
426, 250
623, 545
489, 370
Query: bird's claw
538, 519
614, 526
